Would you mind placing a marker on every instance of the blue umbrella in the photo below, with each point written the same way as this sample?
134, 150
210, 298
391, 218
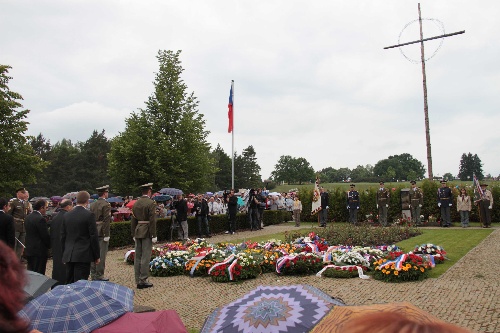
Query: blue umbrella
94, 196
82, 306
170, 191
115, 199
162, 198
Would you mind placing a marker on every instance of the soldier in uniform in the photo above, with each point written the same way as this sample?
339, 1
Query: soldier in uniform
19, 209
353, 204
485, 205
102, 211
323, 214
416, 202
445, 201
143, 225
383, 196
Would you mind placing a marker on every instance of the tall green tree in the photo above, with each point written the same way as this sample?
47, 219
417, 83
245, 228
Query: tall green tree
399, 167
223, 167
43, 149
246, 169
93, 161
470, 165
19, 163
62, 175
165, 142
304, 172
293, 170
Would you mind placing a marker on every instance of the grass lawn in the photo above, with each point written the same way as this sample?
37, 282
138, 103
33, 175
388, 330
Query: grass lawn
456, 242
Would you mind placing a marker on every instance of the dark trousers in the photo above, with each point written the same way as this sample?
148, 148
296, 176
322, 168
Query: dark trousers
202, 223
260, 214
76, 271
353, 215
485, 212
253, 218
37, 264
232, 222
445, 215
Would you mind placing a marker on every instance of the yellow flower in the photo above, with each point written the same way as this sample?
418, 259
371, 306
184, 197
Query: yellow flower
387, 272
393, 266
396, 273
415, 267
422, 269
383, 271
408, 265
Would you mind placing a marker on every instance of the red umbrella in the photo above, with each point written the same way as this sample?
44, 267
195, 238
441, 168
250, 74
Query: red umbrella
146, 322
130, 204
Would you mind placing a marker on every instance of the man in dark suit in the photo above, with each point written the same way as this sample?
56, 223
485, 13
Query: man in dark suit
37, 238
58, 268
80, 244
7, 226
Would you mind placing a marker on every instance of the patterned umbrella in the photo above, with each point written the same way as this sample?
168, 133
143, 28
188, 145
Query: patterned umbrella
295, 308
78, 307
170, 191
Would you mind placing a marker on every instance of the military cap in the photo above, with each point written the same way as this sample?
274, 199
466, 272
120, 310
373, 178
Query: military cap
413, 182
104, 188
146, 186
443, 181
381, 183
352, 185
21, 189
483, 184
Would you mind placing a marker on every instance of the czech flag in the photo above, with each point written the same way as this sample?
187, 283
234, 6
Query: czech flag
230, 111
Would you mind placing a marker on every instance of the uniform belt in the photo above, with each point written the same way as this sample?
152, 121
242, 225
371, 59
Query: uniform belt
354, 200
143, 222
444, 198
99, 222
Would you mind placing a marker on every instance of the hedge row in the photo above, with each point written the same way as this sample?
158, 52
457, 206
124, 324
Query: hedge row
121, 234
338, 203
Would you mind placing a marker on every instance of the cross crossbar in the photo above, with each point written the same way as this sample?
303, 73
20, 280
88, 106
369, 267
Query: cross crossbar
424, 40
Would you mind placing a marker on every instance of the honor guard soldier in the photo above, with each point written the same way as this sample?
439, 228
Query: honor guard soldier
485, 204
383, 196
353, 204
102, 211
445, 201
143, 225
416, 202
19, 209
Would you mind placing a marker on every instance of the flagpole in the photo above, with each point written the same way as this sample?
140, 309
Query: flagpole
232, 139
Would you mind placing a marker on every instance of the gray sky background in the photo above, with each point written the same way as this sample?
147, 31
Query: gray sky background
311, 78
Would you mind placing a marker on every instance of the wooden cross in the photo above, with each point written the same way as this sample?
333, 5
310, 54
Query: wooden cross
426, 109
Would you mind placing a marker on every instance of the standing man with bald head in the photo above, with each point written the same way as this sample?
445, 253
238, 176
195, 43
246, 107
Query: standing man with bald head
102, 211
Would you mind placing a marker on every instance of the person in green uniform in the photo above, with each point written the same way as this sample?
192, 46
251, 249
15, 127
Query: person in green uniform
383, 196
102, 211
19, 209
143, 224
416, 202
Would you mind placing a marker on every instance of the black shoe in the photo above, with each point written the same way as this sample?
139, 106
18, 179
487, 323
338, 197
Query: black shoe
144, 285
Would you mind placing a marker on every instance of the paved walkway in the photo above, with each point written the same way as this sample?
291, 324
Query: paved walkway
466, 295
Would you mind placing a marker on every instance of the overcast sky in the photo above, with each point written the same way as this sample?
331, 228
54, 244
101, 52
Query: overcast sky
311, 78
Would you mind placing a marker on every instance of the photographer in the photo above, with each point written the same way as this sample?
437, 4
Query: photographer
252, 210
232, 208
201, 209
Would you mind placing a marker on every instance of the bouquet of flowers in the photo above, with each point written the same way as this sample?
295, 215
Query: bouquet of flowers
169, 263
398, 267
269, 258
226, 272
249, 260
130, 256
342, 272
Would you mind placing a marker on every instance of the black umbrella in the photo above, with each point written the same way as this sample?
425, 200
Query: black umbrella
37, 285
170, 191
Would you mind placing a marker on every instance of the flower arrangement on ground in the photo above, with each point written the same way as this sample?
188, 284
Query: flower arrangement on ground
250, 261
344, 264
398, 267
299, 264
169, 263
226, 272
436, 251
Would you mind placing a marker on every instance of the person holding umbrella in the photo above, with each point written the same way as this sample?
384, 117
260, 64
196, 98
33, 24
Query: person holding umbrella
102, 211
143, 226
